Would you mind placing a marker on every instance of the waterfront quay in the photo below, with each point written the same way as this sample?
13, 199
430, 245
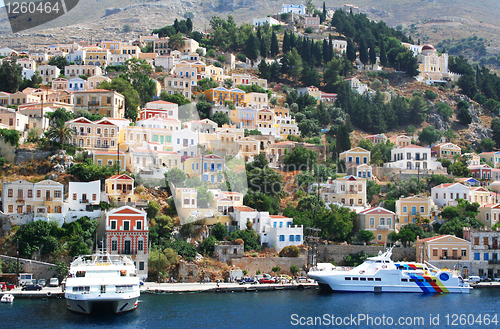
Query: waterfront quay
153, 287
46, 292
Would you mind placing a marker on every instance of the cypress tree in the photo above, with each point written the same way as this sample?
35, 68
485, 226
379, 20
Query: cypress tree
383, 54
326, 55
373, 55
274, 45
351, 50
189, 24
252, 47
363, 51
286, 43
324, 12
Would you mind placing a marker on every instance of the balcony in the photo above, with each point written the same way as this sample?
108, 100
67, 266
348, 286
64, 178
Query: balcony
383, 227
494, 261
450, 257
20, 200
93, 104
84, 201
494, 246
48, 198
81, 133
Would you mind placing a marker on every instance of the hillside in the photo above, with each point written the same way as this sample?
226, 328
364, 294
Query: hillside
429, 20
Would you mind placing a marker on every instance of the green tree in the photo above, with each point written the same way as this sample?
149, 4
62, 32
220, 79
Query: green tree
310, 203
176, 98
309, 127
153, 209
487, 144
204, 197
429, 135
10, 136
365, 236
124, 87
445, 110
294, 270
161, 262
463, 113
176, 41
372, 189
300, 159
221, 119
10, 76
207, 247
262, 202
137, 72
249, 236
183, 248
295, 62
219, 231
59, 61
60, 132
495, 127
274, 45
252, 47
175, 176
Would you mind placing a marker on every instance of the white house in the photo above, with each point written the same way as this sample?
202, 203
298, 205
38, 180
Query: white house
299, 9
185, 142
447, 194
412, 157
262, 21
275, 231
81, 196
77, 84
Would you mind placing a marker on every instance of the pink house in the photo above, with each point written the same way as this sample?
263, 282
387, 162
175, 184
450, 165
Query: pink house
312, 22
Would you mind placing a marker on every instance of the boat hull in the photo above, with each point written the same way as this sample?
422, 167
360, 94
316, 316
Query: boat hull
87, 306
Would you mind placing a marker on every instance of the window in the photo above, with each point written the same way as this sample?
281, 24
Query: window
464, 252
382, 221
379, 237
282, 238
291, 238
10, 193
405, 209
126, 225
477, 256
140, 245
141, 266
114, 245
38, 193
372, 221
113, 224
57, 194
30, 193
389, 222
11, 208
297, 238
486, 256
138, 225
422, 209
434, 252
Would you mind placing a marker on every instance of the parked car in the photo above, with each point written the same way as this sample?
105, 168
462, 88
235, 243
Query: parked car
267, 280
248, 281
54, 282
474, 279
32, 287
42, 282
302, 279
6, 286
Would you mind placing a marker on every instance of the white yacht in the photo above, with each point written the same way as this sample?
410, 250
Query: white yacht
102, 278
381, 274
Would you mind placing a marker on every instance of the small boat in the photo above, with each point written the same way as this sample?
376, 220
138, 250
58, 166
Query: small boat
7, 298
381, 274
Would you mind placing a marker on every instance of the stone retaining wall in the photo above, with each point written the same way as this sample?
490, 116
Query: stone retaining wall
23, 155
265, 264
336, 253
40, 270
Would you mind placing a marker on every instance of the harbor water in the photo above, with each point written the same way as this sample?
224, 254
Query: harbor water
277, 309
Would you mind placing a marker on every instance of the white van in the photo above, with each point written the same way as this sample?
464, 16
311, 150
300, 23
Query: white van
54, 282
474, 279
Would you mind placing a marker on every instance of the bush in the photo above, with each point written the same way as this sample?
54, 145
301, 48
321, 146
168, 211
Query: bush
183, 248
211, 53
308, 30
250, 238
290, 251
276, 269
221, 58
294, 269
241, 57
430, 95
239, 242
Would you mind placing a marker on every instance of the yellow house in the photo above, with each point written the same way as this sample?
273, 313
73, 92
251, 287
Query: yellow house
265, 118
472, 159
221, 96
108, 103
96, 56
182, 67
120, 188
101, 134
446, 150
209, 167
48, 198
133, 51
480, 195
94, 81
248, 148
257, 100
357, 155
491, 158
489, 214
109, 158
114, 47
244, 117
248, 80
347, 191
400, 141
216, 73
135, 136
410, 208
189, 46
171, 159
20, 97
379, 221
443, 248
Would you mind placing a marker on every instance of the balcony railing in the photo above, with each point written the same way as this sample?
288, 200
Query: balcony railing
383, 227
494, 246
494, 261
94, 104
19, 199
450, 257
84, 201
48, 198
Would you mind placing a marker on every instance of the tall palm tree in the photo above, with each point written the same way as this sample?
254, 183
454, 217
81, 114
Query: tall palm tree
60, 132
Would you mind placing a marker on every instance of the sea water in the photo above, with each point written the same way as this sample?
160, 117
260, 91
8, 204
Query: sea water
273, 309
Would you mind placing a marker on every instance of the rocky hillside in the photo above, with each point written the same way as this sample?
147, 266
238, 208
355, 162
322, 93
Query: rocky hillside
93, 20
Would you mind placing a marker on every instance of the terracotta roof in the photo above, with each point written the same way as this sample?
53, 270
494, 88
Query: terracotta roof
277, 216
433, 238
161, 102
123, 176
244, 208
107, 152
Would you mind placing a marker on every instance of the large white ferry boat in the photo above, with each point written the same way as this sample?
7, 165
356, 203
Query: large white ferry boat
102, 278
381, 274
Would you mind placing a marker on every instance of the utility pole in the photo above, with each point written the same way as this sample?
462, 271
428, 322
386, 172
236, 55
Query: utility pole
159, 259
118, 159
312, 240
17, 253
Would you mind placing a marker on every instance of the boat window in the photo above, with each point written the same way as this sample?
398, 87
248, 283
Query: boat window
412, 280
420, 280
404, 280
347, 278
354, 279
378, 261
378, 279
434, 280
362, 279
428, 280
80, 274
370, 279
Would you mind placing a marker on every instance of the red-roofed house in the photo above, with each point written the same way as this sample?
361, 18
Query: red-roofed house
380, 221
482, 172
375, 139
445, 251
160, 109
448, 194
120, 188
446, 150
480, 195
127, 234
